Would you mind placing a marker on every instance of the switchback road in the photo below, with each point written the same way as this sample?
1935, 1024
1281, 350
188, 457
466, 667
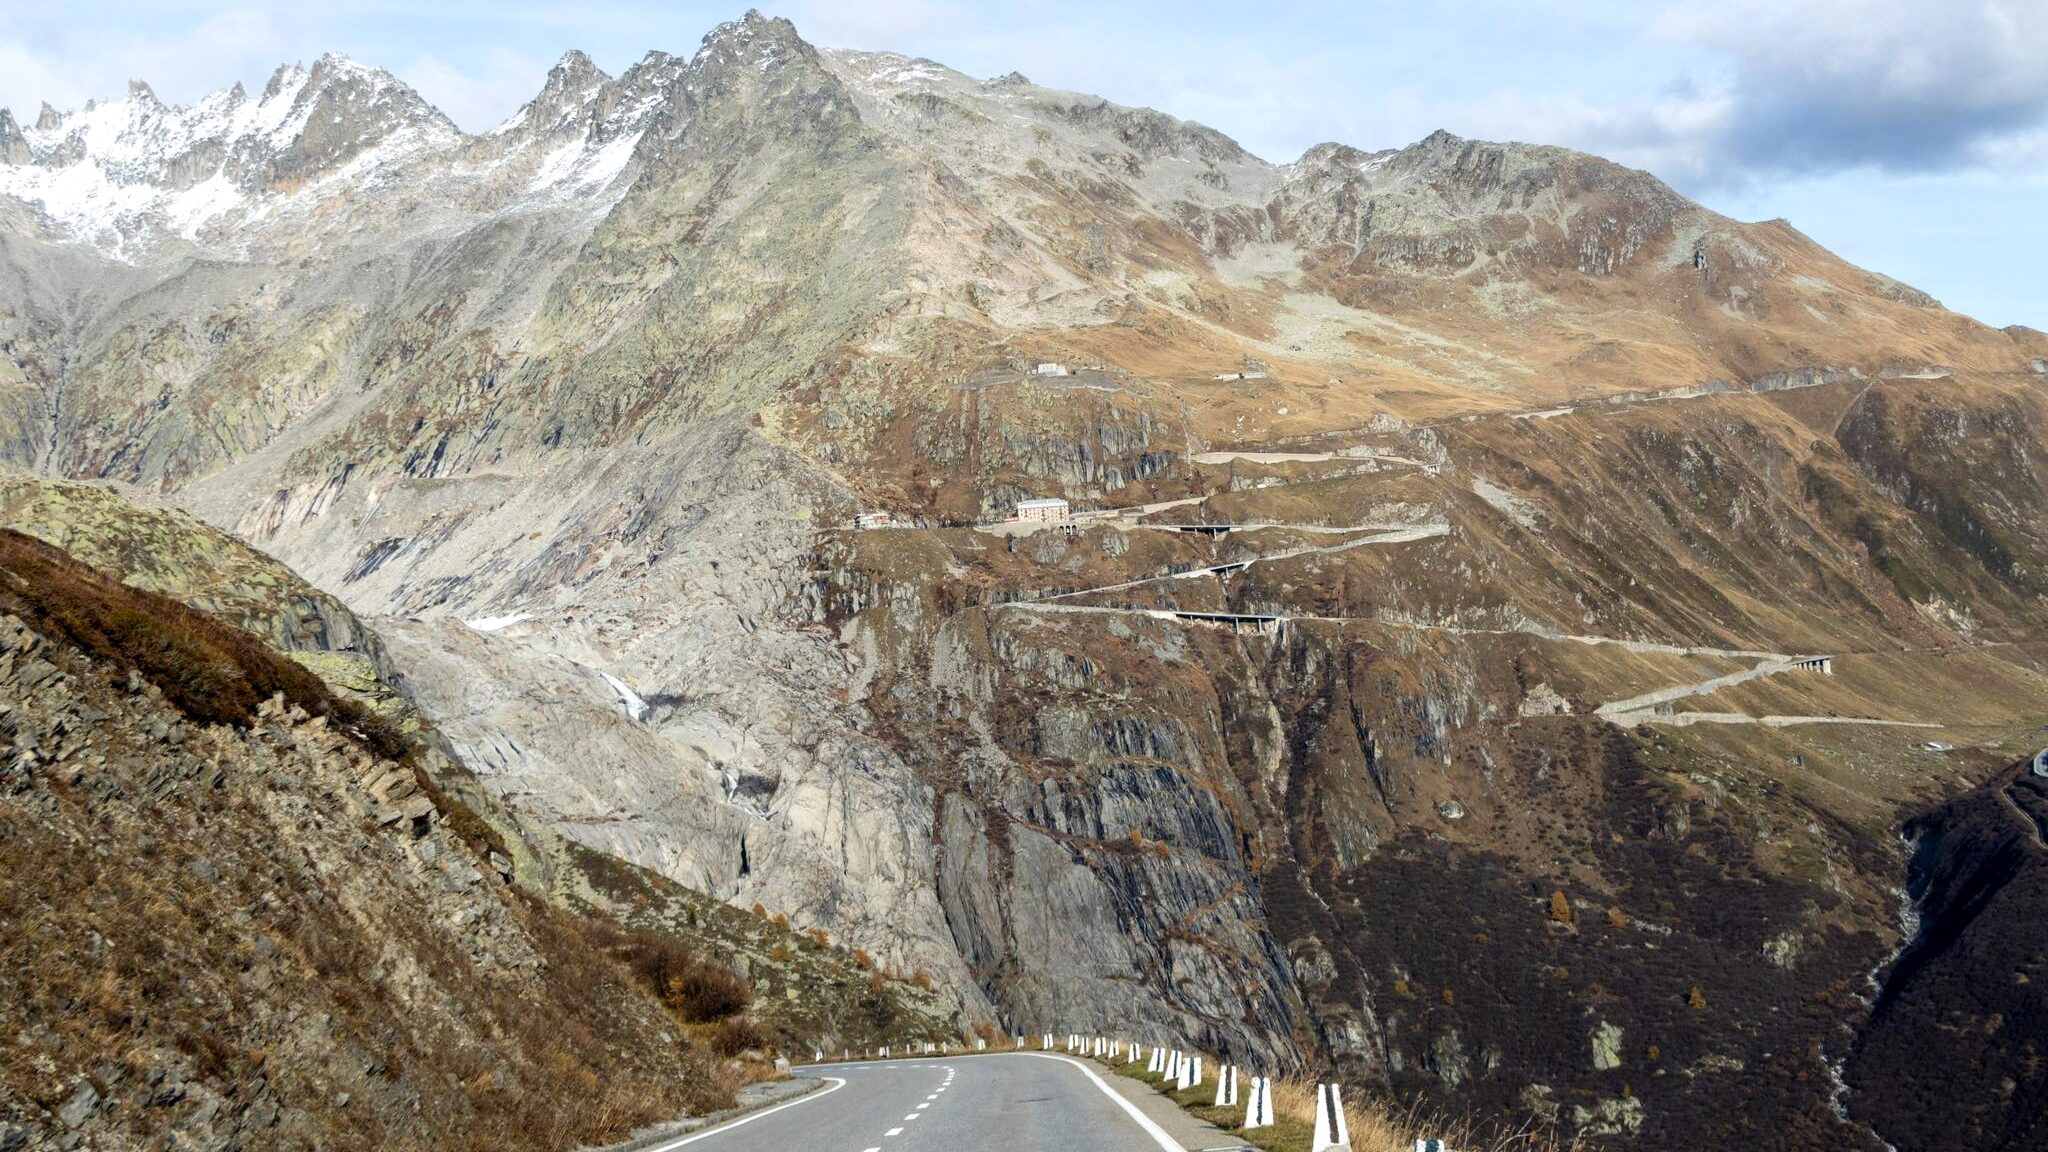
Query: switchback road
1020, 1102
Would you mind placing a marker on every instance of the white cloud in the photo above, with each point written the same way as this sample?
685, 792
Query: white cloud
1815, 86
73, 62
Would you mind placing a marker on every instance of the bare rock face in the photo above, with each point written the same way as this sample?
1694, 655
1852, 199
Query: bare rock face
1392, 468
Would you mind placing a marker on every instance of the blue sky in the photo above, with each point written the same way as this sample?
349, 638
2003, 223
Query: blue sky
1911, 136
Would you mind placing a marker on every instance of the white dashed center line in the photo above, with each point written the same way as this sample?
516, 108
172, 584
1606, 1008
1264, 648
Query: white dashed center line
893, 1132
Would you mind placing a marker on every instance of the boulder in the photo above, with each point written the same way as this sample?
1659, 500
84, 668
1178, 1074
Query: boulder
82, 1106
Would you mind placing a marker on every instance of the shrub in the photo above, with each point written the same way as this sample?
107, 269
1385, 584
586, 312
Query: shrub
922, 980
820, 937
781, 954
1561, 909
700, 991
861, 957
737, 1035
708, 992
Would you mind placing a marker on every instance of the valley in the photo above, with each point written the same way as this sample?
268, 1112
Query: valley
1502, 619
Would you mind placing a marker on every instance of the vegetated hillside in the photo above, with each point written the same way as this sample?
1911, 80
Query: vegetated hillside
242, 908
234, 914
1399, 836
1969, 989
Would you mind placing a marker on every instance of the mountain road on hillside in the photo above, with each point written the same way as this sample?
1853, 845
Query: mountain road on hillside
1012, 1102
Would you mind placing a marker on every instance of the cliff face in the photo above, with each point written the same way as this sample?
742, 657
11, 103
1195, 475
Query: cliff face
1401, 834
1526, 804
1964, 991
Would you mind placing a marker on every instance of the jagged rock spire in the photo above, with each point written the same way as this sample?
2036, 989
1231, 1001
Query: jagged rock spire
13, 148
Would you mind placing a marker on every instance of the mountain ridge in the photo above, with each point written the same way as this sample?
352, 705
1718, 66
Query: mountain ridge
1391, 471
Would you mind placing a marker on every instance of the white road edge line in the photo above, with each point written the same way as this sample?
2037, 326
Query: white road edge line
1150, 1126
835, 1082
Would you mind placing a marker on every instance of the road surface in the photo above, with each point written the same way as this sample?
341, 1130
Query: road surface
1009, 1102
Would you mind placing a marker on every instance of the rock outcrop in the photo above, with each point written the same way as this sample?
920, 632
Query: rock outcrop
269, 933
1393, 468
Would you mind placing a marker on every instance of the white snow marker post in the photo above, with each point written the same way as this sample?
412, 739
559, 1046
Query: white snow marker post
1226, 1086
1258, 1111
1331, 1134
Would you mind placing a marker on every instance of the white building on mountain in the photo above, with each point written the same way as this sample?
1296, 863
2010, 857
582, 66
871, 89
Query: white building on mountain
1044, 510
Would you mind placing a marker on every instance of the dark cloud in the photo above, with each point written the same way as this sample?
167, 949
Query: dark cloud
1816, 86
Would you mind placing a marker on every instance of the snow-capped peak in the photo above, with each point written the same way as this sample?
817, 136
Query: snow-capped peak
119, 173
565, 99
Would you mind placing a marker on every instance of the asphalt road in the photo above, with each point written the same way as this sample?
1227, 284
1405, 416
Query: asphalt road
999, 1102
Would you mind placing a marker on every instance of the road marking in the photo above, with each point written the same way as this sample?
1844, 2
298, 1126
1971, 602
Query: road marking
923, 1106
749, 1118
877, 1149
912, 1116
893, 1132
1150, 1126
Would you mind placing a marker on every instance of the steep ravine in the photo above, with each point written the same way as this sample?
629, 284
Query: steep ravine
1970, 989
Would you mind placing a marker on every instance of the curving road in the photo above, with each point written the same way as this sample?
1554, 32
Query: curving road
1009, 1102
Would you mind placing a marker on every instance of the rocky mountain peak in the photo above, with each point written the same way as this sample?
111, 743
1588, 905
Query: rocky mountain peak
287, 77
574, 69
343, 109
753, 39
572, 89
47, 118
1331, 154
1148, 134
13, 148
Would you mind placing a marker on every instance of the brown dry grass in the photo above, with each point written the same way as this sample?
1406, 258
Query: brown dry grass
211, 672
241, 905
699, 991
